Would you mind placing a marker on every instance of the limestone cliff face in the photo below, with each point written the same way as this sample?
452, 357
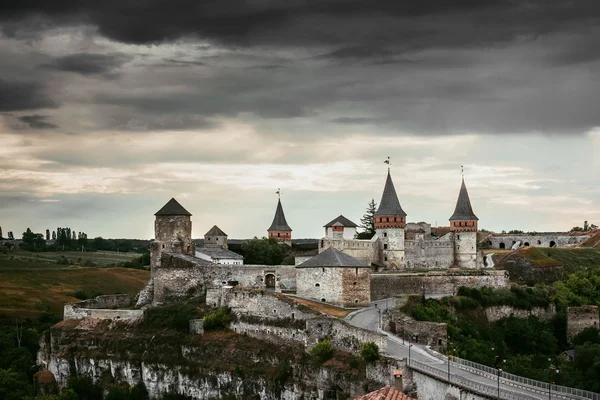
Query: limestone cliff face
212, 365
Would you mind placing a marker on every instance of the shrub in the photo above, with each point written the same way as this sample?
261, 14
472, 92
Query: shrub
84, 388
369, 352
322, 351
217, 320
138, 392
176, 316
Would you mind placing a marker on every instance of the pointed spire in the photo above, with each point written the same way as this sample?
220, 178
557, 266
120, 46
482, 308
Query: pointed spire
390, 205
279, 223
173, 208
463, 210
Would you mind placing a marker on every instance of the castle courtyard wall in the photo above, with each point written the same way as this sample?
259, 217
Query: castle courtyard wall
366, 251
540, 240
434, 283
579, 318
429, 254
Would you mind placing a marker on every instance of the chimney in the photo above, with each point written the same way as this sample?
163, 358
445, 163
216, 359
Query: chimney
398, 380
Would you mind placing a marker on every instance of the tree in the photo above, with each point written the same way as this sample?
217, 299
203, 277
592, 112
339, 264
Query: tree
47, 234
369, 352
11, 236
0, 232
586, 227
367, 222
53, 235
264, 251
322, 351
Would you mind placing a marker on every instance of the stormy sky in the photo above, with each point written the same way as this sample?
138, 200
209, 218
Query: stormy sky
108, 109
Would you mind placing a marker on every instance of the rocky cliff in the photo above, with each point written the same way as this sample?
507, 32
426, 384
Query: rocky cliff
212, 365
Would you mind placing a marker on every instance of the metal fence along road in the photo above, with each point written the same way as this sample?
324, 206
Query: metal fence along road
556, 390
478, 387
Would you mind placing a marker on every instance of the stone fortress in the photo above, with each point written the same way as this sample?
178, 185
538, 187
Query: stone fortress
398, 245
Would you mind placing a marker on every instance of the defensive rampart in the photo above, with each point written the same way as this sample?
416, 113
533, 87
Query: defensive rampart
103, 307
434, 283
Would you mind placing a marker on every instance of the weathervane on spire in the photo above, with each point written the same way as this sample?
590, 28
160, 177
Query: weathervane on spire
462, 171
388, 162
278, 192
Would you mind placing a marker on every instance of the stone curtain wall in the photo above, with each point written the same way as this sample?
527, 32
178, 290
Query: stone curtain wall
437, 283
181, 276
429, 254
433, 334
103, 307
277, 318
579, 318
496, 313
366, 251
542, 240
343, 336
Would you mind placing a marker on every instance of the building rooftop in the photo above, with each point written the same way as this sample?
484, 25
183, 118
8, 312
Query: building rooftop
385, 393
332, 258
341, 220
173, 208
279, 223
219, 253
463, 210
215, 231
389, 205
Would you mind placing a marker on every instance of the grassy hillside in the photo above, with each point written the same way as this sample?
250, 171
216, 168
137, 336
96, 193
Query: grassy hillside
35, 283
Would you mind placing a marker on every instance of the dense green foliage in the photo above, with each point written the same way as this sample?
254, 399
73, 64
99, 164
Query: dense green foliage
516, 296
322, 351
265, 251
175, 316
523, 346
369, 352
217, 320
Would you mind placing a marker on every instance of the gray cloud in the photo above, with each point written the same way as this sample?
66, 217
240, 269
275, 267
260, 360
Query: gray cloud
37, 122
18, 95
88, 63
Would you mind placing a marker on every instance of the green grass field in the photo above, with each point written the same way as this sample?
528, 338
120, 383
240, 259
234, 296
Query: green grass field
33, 283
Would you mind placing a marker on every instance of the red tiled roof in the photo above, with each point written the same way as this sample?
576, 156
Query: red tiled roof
385, 393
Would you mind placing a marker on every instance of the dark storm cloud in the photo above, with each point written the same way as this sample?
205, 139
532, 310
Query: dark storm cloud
407, 25
18, 95
88, 63
37, 122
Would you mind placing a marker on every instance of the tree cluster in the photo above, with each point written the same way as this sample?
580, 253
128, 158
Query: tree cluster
264, 251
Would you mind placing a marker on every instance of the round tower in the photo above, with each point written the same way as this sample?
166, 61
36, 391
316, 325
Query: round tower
172, 232
390, 220
279, 229
463, 223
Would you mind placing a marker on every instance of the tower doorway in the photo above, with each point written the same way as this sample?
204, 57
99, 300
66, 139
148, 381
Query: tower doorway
270, 281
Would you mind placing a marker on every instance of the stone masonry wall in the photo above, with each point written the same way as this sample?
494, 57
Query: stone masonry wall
579, 318
498, 312
437, 283
366, 251
429, 254
343, 336
541, 240
433, 334
321, 284
356, 287
181, 275
103, 307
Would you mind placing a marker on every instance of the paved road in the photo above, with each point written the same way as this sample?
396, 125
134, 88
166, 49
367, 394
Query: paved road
369, 318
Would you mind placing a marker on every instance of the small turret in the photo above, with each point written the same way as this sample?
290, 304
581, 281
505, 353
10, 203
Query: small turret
390, 220
215, 238
463, 223
279, 228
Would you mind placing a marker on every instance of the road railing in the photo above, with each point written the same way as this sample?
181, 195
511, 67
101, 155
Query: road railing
556, 390
477, 387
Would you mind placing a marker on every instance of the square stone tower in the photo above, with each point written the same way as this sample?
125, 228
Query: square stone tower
172, 233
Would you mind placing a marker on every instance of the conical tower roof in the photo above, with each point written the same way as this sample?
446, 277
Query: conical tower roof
279, 223
463, 210
173, 208
389, 205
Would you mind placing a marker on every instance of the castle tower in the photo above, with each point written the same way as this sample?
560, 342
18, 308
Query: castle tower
215, 238
390, 220
172, 232
279, 228
464, 225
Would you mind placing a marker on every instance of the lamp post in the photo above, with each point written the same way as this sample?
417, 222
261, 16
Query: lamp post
550, 375
403, 325
499, 371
